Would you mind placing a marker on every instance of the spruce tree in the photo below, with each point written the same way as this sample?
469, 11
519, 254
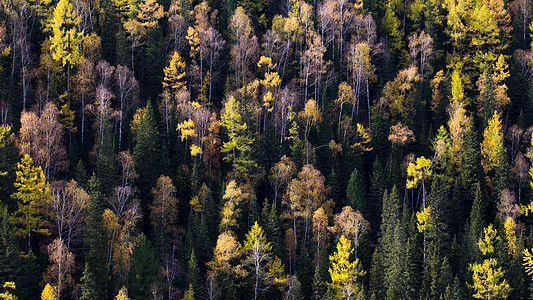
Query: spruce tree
144, 267
356, 192
146, 152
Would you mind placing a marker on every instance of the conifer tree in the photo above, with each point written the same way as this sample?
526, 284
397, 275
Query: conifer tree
343, 272
32, 195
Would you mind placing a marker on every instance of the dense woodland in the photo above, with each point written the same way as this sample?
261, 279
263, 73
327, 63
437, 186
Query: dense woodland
268, 149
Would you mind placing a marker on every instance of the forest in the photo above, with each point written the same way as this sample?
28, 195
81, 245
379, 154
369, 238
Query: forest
266, 149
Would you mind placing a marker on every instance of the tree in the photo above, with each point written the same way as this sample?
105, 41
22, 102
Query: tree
493, 157
41, 139
420, 172
66, 38
127, 89
32, 195
164, 210
144, 267
48, 293
246, 47
314, 66
239, 144
146, 151
344, 273
6, 294
421, 53
231, 210
488, 278
361, 72
355, 192
321, 230
351, 225
59, 273
122, 294
265, 268
67, 206
226, 255
175, 73
280, 175
304, 196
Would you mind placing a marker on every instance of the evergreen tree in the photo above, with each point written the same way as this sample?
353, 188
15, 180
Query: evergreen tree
193, 274
356, 192
146, 152
144, 267
95, 276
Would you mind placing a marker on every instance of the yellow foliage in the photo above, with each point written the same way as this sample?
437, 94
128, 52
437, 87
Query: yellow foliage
175, 73
187, 129
492, 149
122, 294
48, 293
195, 150
344, 273
510, 235
423, 219
487, 280
6, 294
362, 139
419, 171
486, 243
528, 261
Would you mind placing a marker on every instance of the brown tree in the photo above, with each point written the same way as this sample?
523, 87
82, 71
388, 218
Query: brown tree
59, 272
304, 196
280, 175
67, 208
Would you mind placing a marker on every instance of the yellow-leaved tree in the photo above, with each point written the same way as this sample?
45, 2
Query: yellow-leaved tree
488, 279
122, 294
65, 37
419, 172
344, 272
6, 294
48, 293
493, 157
32, 194
175, 73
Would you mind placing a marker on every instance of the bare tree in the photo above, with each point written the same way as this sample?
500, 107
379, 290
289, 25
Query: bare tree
127, 88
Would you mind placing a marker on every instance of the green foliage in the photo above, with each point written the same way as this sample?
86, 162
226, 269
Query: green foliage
144, 267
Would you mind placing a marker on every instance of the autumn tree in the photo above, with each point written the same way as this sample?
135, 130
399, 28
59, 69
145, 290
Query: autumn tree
361, 73
67, 205
488, 278
398, 96
139, 19
280, 175
266, 269
493, 157
351, 225
419, 172
304, 196
321, 230
239, 145
32, 195
344, 273
421, 53
59, 273
246, 47
41, 139
226, 256
126, 93
48, 293
231, 210
175, 73
66, 38
164, 210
